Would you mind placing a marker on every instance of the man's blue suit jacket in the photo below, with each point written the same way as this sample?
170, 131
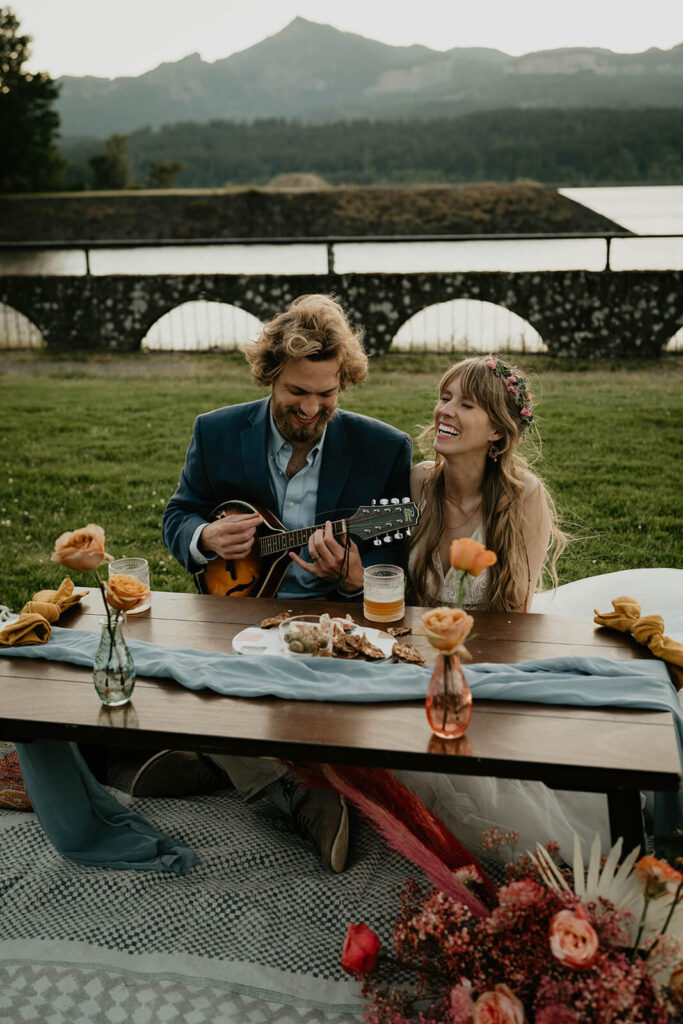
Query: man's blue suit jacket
363, 459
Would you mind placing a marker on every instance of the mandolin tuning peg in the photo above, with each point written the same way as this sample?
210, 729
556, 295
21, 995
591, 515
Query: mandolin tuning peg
374, 501
408, 533
398, 535
384, 501
395, 501
377, 542
387, 539
405, 501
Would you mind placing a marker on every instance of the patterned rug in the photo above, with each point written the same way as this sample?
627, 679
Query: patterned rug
252, 934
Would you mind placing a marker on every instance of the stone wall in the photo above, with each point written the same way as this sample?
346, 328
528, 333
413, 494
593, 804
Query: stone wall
577, 313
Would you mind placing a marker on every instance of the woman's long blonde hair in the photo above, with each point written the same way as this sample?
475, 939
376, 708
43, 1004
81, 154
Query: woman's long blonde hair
509, 584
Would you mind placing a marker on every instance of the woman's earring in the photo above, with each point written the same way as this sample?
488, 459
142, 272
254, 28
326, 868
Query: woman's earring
493, 452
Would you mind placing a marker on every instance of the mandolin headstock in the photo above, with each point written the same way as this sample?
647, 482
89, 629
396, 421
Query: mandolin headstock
388, 516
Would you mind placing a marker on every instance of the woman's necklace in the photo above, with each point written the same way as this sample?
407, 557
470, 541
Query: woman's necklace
456, 526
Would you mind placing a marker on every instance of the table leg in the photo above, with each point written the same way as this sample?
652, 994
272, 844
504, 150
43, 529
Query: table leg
626, 818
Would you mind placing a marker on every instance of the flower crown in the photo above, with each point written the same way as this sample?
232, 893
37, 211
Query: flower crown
516, 384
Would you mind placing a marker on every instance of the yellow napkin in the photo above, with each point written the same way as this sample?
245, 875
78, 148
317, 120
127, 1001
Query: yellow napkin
648, 630
33, 625
64, 597
28, 629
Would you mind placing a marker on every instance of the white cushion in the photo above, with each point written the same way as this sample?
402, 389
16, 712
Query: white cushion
657, 591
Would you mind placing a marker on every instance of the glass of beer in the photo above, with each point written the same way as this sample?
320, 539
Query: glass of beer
383, 593
139, 568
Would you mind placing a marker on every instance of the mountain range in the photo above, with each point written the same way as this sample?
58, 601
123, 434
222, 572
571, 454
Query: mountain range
316, 73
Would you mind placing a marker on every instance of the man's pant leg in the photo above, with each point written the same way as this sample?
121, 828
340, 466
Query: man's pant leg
249, 775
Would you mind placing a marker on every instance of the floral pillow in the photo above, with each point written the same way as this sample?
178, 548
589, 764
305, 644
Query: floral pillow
12, 792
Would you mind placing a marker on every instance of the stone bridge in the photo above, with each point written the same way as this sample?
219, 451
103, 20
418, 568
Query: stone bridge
577, 313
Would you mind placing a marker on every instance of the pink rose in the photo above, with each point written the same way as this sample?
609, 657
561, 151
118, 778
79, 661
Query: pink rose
501, 1006
573, 940
525, 412
361, 948
491, 363
511, 380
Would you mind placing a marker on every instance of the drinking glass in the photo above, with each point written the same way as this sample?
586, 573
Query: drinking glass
383, 593
137, 567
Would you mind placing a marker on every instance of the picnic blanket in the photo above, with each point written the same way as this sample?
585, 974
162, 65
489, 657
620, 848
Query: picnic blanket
252, 935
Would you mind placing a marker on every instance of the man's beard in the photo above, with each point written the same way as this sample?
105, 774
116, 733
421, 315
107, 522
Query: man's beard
300, 433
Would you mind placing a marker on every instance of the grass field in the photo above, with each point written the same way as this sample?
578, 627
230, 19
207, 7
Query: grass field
103, 440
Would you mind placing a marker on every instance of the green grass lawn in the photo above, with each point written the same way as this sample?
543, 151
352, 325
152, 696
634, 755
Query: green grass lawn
103, 440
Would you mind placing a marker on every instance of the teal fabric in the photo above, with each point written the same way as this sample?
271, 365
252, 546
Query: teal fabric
86, 823
589, 682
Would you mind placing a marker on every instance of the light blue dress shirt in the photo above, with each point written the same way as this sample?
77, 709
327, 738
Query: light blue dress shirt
296, 507
296, 500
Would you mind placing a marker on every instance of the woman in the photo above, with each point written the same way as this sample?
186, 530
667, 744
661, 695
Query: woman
480, 486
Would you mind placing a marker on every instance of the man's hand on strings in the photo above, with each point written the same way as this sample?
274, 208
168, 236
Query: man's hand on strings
329, 561
232, 536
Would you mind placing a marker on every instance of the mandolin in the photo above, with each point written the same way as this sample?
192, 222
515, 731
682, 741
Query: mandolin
260, 573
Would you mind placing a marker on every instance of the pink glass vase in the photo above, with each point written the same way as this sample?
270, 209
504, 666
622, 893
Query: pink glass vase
449, 699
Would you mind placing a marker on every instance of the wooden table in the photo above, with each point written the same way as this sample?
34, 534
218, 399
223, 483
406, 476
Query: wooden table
618, 752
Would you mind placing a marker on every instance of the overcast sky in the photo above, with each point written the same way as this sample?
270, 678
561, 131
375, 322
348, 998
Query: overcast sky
127, 37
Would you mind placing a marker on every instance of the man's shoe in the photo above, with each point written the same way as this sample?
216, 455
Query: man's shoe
323, 817
178, 773
320, 815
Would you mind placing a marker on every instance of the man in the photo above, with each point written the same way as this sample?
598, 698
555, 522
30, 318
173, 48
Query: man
300, 456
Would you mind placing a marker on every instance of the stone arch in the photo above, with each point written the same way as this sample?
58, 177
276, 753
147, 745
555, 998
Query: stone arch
17, 331
201, 325
470, 325
675, 342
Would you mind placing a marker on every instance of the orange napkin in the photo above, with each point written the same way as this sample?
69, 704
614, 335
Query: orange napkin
33, 625
648, 630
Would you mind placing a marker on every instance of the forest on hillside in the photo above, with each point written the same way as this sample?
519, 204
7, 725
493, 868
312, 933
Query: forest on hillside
556, 147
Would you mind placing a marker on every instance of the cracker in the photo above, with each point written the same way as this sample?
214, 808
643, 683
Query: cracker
397, 631
407, 653
275, 620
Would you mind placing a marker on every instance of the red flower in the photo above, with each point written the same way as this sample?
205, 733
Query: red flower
361, 948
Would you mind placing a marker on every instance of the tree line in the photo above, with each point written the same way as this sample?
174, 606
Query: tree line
557, 147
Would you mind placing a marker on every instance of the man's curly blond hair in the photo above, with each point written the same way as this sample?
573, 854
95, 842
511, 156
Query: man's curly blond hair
314, 327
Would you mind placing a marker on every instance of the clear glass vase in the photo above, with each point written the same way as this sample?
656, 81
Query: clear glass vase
449, 699
113, 669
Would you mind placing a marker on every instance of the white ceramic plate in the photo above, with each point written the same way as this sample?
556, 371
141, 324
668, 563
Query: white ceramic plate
254, 640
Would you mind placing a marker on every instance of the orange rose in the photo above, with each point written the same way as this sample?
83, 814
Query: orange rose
659, 877
446, 628
81, 549
573, 940
125, 592
470, 556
